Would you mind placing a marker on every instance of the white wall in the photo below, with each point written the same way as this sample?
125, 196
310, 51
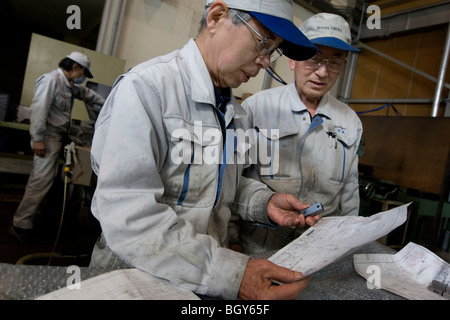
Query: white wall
155, 27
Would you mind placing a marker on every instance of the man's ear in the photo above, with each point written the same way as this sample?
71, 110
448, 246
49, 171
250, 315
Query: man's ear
292, 64
217, 11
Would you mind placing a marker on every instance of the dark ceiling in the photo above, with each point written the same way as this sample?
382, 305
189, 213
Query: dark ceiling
50, 17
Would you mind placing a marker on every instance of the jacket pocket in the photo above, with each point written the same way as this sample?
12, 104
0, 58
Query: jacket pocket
191, 170
64, 98
275, 148
341, 152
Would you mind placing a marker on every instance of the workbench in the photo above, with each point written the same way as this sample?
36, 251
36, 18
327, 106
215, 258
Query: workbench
337, 281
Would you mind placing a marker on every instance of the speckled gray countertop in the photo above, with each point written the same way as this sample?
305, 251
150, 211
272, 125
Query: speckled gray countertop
337, 281
340, 281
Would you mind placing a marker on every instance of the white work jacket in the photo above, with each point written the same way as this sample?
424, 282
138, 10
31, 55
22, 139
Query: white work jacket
159, 214
314, 159
52, 103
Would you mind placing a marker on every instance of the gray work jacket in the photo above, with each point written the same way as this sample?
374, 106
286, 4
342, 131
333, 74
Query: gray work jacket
52, 103
163, 206
314, 159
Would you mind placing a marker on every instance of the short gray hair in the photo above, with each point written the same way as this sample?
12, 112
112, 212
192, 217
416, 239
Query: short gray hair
233, 13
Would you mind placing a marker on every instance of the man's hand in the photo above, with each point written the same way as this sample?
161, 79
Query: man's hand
257, 282
284, 210
39, 148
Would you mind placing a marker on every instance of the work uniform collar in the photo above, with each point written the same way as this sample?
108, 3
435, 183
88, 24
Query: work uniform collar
202, 87
324, 107
297, 105
63, 76
326, 110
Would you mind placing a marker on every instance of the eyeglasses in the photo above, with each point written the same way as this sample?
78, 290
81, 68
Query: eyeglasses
333, 65
265, 45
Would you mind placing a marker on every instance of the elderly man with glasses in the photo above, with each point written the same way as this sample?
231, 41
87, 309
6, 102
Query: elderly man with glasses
162, 207
318, 135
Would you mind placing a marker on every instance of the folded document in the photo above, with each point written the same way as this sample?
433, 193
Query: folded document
414, 272
124, 284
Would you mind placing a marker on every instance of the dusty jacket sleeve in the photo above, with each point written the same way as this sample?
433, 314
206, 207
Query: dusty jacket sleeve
89, 96
252, 195
129, 150
251, 200
44, 93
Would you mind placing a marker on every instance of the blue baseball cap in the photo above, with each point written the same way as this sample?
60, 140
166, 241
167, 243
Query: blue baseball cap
276, 16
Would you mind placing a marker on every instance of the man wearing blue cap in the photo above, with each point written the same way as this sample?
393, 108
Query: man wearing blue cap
51, 109
162, 207
318, 136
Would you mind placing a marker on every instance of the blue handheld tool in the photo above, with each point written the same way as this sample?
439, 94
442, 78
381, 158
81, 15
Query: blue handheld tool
314, 209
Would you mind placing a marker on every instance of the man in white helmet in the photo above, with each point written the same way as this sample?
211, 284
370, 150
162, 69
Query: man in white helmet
162, 207
51, 109
318, 136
